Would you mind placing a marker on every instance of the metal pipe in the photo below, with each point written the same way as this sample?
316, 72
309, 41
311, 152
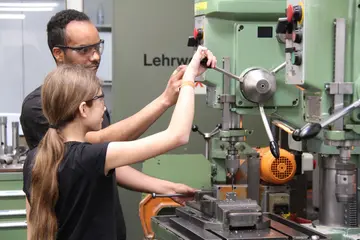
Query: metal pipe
229, 74
3, 135
339, 67
235, 120
207, 144
265, 122
283, 126
155, 195
15, 137
340, 113
278, 68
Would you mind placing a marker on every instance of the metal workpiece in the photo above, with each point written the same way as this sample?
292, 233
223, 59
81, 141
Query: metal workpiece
230, 213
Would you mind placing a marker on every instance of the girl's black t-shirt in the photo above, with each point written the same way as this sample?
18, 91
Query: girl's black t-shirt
88, 206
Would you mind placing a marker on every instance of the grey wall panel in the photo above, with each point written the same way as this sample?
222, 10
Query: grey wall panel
152, 29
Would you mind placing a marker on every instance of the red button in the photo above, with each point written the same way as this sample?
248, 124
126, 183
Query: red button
195, 33
314, 164
290, 13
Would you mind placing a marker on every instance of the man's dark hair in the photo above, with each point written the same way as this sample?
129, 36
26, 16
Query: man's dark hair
57, 24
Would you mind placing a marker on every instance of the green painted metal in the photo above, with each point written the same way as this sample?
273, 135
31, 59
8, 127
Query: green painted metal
190, 169
337, 233
12, 182
230, 29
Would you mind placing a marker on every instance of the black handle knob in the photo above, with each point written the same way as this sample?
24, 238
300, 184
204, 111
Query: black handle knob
203, 62
194, 128
275, 150
308, 131
281, 26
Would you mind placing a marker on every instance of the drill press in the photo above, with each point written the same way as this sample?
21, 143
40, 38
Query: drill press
250, 81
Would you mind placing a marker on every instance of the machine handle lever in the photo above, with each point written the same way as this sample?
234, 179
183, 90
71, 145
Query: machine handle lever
204, 61
155, 195
278, 68
310, 130
195, 128
274, 147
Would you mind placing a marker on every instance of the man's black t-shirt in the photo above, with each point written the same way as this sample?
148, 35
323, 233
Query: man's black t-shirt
88, 206
33, 122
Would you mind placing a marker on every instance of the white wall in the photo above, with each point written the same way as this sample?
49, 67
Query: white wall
25, 58
91, 7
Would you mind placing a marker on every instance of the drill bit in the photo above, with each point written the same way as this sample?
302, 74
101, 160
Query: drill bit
233, 182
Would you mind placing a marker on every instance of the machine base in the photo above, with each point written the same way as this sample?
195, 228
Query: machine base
173, 228
336, 233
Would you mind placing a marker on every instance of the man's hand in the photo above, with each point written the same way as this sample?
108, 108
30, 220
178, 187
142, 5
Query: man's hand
183, 189
171, 93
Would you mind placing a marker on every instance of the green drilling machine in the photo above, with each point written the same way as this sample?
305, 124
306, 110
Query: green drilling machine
294, 64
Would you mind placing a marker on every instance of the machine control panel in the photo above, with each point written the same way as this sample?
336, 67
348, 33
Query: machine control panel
294, 42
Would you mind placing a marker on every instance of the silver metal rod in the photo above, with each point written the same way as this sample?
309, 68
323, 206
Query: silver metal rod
12, 193
235, 120
226, 121
229, 74
278, 68
266, 123
8, 225
15, 137
3, 135
339, 68
283, 126
155, 195
340, 113
207, 143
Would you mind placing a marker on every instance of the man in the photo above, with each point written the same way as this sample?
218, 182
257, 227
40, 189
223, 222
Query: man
73, 39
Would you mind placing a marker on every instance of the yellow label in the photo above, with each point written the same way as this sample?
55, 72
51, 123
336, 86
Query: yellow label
200, 6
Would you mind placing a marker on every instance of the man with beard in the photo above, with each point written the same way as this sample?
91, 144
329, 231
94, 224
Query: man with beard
73, 39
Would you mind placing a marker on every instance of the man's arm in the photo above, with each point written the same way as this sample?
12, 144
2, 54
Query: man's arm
133, 127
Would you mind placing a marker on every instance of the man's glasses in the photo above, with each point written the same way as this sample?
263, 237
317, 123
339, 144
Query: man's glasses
86, 50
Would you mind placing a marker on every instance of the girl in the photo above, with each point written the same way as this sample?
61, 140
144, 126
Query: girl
72, 191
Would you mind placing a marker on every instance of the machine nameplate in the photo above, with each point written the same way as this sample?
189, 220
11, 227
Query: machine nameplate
313, 108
